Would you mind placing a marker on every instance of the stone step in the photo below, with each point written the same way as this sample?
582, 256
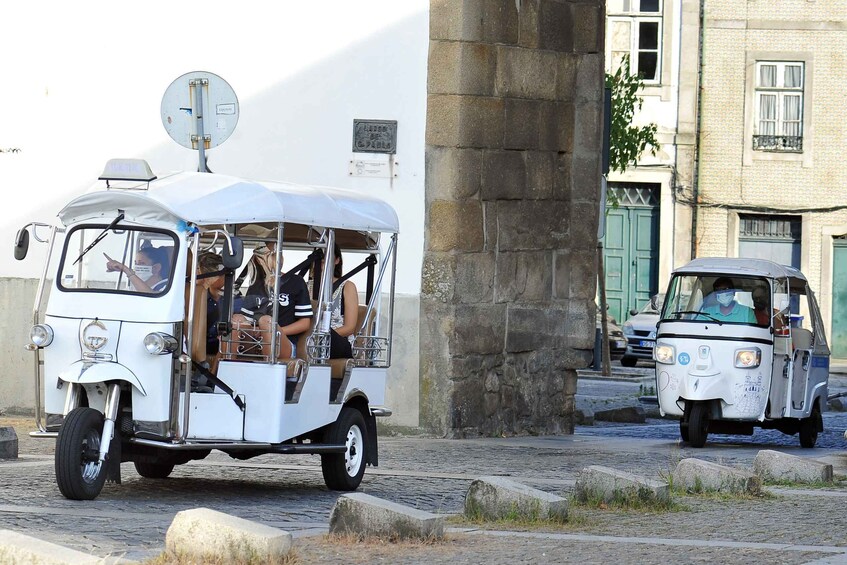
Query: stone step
366, 515
702, 476
20, 549
8, 443
204, 533
607, 484
773, 465
497, 498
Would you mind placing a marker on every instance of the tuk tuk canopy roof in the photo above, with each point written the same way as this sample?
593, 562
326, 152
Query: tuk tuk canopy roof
739, 266
208, 199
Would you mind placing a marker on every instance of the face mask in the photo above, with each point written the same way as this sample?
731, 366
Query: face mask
725, 297
144, 272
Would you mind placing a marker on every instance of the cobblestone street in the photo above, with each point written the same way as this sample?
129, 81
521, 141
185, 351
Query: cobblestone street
433, 474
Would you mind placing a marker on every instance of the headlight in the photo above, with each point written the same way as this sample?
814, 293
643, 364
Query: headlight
158, 343
41, 335
627, 329
664, 354
652, 335
748, 358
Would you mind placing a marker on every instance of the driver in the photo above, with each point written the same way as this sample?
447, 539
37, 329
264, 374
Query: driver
726, 309
150, 271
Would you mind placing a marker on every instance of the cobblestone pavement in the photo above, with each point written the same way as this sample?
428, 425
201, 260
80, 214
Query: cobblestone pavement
791, 526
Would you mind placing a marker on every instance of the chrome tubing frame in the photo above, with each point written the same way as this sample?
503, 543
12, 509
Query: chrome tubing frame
182, 433
272, 358
36, 311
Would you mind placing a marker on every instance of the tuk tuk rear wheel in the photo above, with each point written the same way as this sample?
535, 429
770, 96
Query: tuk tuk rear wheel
698, 425
344, 471
153, 470
683, 429
78, 473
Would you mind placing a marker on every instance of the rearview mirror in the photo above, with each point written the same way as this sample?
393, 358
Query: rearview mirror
21, 244
633, 312
232, 258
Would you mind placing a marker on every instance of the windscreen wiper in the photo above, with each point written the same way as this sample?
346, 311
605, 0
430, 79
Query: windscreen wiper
698, 313
99, 237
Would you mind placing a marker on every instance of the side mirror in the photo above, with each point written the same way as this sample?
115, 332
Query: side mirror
232, 258
21, 244
633, 312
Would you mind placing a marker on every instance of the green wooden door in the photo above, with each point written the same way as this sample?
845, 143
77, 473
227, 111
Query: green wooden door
838, 340
631, 248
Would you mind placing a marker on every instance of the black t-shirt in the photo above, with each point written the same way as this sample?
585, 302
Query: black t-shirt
294, 301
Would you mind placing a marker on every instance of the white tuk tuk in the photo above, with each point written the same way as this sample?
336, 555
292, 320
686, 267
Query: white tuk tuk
740, 343
120, 352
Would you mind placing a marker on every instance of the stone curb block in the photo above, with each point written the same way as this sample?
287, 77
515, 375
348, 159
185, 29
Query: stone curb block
777, 466
583, 417
18, 549
698, 475
607, 484
366, 515
202, 532
496, 498
8, 443
626, 414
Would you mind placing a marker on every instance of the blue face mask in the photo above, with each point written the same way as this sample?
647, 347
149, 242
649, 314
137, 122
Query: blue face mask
725, 297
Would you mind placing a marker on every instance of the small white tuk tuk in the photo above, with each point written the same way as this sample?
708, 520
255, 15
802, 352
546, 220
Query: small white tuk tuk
740, 343
121, 352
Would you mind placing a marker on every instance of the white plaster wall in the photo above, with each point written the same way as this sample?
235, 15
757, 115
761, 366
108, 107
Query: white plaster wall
77, 94
83, 84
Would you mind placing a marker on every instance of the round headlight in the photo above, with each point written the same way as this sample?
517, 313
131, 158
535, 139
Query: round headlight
664, 354
41, 335
748, 358
158, 343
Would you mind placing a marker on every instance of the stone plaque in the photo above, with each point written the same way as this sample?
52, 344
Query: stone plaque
375, 136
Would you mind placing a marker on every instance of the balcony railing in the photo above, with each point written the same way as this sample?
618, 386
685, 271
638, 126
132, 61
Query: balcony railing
787, 143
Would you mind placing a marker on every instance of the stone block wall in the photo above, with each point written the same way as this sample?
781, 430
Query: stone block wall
513, 159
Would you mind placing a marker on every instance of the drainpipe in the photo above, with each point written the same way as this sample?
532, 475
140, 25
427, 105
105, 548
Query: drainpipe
695, 196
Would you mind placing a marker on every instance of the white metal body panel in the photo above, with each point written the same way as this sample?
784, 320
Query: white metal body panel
369, 381
313, 410
704, 369
213, 416
263, 388
130, 362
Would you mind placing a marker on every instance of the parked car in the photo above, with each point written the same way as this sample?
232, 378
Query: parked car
617, 341
640, 331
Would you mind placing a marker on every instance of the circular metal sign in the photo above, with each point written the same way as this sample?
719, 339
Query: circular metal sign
181, 109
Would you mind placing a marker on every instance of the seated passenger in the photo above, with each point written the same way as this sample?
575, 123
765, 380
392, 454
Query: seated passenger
727, 309
294, 314
212, 263
761, 307
345, 312
149, 273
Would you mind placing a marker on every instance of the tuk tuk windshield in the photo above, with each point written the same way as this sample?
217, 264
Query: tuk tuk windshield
719, 298
121, 259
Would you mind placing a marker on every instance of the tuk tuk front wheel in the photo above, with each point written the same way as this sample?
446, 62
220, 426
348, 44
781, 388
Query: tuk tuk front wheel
344, 471
78, 473
809, 428
698, 425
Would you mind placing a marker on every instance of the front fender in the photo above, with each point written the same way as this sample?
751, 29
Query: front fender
87, 372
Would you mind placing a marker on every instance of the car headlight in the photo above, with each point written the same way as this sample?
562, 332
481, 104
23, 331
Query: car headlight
41, 335
158, 343
664, 354
652, 335
627, 329
748, 358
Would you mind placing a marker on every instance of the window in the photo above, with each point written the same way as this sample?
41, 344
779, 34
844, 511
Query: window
779, 106
635, 29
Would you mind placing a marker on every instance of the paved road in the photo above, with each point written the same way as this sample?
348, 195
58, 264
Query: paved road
433, 474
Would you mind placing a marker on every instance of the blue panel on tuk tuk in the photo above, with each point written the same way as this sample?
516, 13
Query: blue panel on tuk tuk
820, 362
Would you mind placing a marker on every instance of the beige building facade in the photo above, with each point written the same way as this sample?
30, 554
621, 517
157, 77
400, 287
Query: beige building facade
771, 175
747, 96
